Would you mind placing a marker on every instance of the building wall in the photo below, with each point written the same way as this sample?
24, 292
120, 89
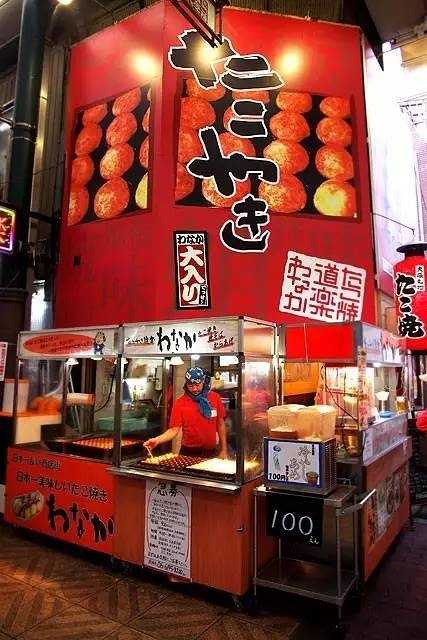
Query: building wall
123, 270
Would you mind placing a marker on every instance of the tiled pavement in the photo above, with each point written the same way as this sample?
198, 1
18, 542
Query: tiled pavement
48, 592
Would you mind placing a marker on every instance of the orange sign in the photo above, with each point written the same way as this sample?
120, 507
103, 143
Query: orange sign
62, 496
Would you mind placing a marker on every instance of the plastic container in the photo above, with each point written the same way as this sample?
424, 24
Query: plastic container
23, 389
282, 420
317, 422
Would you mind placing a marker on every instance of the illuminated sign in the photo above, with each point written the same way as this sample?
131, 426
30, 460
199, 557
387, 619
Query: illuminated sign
7, 228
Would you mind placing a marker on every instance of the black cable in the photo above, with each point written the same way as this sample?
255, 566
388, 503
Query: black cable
113, 376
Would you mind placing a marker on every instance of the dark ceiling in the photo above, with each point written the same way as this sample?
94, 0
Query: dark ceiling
391, 17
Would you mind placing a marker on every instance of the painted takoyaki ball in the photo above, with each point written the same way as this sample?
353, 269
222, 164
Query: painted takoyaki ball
211, 194
288, 196
257, 94
289, 126
335, 107
112, 198
141, 195
229, 143
296, 102
184, 184
333, 161
144, 152
127, 102
334, 131
146, 121
116, 161
78, 204
189, 145
82, 169
149, 95
210, 94
336, 198
196, 113
95, 114
88, 139
121, 129
290, 156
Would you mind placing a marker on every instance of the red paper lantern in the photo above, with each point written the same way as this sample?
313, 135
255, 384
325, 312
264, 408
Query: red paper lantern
410, 291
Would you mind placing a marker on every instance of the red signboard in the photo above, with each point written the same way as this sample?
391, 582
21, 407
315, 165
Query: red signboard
61, 496
410, 278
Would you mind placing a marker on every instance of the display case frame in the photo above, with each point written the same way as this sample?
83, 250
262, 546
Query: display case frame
240, 337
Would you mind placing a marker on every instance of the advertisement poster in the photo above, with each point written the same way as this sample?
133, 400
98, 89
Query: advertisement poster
109, 169
384, 503
167, 544
293, 462
100, 342
61, 496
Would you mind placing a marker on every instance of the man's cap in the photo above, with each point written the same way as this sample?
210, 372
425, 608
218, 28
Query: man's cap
195, 374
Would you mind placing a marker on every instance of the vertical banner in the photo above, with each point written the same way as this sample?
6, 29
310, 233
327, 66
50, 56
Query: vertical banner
167, 545
410, 290
3, 358
192, 270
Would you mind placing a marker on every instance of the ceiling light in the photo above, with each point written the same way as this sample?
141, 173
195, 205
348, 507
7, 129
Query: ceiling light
176, 360
70, 362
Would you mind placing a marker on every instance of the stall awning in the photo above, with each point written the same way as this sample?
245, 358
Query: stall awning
339, 343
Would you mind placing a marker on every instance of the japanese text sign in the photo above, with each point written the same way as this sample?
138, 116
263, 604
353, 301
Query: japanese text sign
61, 496
243, 137
7, 228
410, 277
79, 343
210, 336
192, 269
322, 289
167, 544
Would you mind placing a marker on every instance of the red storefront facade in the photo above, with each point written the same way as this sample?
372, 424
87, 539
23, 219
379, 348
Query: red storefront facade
121, 270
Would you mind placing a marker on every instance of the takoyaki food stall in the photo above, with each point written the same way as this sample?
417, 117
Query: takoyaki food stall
185, 505
63, 413
358, 372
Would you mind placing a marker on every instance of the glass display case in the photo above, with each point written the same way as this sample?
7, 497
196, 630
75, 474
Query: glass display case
237, 355
64, 395
356, 369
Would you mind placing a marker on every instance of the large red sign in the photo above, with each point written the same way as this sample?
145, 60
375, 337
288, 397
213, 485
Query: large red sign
315, 126
61, 496
410, 278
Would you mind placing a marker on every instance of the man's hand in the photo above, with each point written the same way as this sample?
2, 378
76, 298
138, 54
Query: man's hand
223, 455
152, 443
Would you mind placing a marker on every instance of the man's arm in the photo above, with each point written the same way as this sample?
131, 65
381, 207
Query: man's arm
222, 435
168, 435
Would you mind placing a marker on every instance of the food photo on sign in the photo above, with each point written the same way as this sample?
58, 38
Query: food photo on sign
239, 128
110, 161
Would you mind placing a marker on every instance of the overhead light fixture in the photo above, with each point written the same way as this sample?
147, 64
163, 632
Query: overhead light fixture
96, 357
377, 365
176, 360
65, 2
195, 356
70, 362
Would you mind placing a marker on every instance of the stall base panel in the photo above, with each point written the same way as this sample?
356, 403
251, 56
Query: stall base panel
306, 578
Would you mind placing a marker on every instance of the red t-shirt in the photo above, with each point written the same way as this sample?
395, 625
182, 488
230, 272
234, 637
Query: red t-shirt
197, 431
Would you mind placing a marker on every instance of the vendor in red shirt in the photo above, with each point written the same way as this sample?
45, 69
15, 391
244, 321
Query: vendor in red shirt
199, 413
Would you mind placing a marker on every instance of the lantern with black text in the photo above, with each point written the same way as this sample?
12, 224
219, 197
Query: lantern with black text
410, 276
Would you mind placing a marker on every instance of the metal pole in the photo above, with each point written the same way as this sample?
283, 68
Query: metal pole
34, 22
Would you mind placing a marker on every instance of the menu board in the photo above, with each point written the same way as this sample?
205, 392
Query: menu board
167, 545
